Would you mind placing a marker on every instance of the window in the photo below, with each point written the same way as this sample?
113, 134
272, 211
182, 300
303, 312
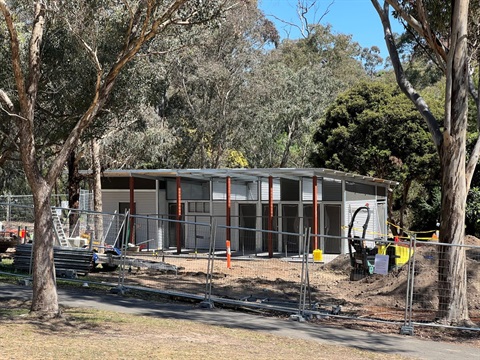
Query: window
200, 207
289, 190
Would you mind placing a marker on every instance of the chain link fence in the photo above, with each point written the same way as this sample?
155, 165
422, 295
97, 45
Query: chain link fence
395, 281
18, 208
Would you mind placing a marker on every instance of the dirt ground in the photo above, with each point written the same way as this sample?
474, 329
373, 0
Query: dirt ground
277, 282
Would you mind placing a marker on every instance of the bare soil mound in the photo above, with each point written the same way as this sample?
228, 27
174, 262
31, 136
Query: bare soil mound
390, 290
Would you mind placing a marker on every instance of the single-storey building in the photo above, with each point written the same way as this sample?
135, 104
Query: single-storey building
278, 203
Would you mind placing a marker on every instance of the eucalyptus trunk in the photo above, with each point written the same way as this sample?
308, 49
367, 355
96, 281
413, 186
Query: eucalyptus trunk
452, 275
44, 298
144, 21
97, 196
450, 141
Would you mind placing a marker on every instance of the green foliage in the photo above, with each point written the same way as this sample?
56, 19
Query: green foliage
424, 207
373, 129
147, 143
291, 89
472, 215
207, 82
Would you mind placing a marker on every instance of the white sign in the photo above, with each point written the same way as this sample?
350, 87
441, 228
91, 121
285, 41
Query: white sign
381, 264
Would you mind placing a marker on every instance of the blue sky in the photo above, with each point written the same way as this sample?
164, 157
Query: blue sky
355, 17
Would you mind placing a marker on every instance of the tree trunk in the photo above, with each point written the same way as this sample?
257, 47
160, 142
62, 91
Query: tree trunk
97, 195
452, 276
44, 300
406, 188
391, 218
451, 145
286, 151
73, 194
145, 24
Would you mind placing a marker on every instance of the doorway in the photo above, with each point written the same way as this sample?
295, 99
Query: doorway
265, 236
332, 226
248, 220
308, 223
172, 226
290, 225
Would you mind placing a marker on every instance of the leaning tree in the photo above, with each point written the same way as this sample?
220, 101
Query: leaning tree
442, 30
140, 22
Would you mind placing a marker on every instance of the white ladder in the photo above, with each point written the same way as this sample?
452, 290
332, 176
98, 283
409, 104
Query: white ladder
58, 228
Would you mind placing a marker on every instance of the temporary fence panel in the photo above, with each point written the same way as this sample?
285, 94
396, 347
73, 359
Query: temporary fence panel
257, 280
430, 300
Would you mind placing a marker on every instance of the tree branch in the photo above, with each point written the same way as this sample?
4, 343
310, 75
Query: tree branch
432, 40
149, 28
421, 27
472, 163
414, 23
34, 57
5, 100
12, 114
402, 81
16, 62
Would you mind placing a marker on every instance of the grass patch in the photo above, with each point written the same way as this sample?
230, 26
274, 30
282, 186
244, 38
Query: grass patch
12, 309
86, 333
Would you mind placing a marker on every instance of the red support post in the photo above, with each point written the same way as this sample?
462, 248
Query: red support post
315, 212
270, 216
179, 215
229, 207
132, 209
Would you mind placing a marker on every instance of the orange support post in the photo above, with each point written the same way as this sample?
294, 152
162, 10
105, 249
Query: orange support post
229, 256
315, 212
270, 217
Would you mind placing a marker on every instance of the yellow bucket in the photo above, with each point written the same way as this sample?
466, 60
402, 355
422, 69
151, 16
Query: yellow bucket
317, 255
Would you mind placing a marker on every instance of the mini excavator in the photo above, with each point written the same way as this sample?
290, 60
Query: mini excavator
362, 251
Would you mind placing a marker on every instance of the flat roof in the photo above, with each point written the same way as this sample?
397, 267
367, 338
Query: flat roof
246, 174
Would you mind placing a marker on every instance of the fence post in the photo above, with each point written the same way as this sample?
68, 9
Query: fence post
207, 302
407, 328
304, 277
123, 247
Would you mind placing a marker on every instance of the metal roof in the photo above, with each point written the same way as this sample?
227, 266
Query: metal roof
246, 174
